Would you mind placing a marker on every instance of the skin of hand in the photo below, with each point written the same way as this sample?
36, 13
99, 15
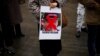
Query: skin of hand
53, 5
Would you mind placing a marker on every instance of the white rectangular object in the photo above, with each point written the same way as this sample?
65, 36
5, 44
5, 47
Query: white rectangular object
50, 23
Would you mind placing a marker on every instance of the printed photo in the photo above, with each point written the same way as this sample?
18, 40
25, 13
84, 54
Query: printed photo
50, 22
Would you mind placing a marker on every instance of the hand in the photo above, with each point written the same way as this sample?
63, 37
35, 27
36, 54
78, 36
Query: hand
53, 5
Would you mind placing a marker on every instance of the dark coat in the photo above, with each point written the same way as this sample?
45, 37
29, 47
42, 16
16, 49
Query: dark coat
4, 12
14, 11
49, 47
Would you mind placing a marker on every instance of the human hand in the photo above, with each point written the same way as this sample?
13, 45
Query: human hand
53, 5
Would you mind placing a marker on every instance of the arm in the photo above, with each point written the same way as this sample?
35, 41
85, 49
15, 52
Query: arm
34, 8
33, 5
